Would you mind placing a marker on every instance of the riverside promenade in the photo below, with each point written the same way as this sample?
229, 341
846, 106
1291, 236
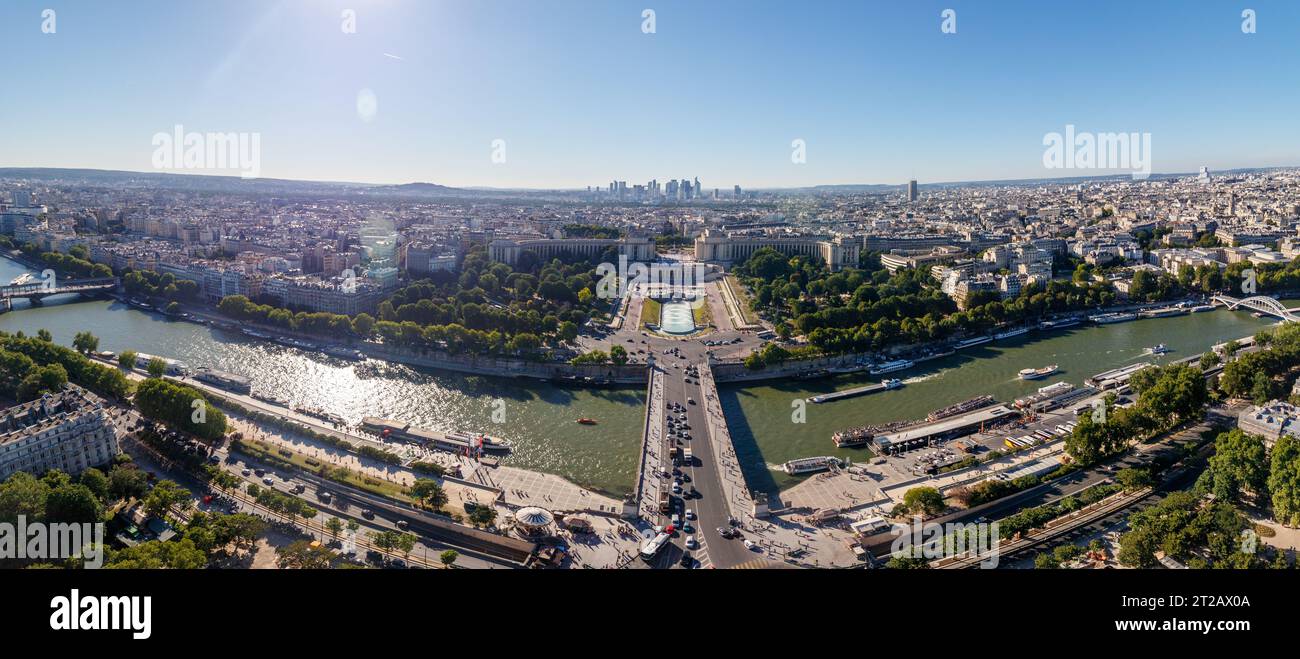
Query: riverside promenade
739, 499
578, 374
512, 487
654, 450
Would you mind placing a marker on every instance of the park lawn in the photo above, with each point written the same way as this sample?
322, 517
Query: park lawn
649, 312
703, 314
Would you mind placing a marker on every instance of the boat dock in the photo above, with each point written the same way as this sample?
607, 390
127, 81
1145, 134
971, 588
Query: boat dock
856, 391
455, 441
1054, 396
1163, 312
1115, 377
948, 428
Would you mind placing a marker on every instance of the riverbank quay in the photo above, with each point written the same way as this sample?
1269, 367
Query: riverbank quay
726, 370
484, 481
1046, 460
347, 504
598, 375
562, 373
149, 458
608, 542
733, 370
17, 256
874, 488
554, 372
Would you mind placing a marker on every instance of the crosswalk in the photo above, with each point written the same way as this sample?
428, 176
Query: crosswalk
702, 554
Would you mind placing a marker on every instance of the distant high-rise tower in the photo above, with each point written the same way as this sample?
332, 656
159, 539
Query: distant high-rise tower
1204, 176
911, 190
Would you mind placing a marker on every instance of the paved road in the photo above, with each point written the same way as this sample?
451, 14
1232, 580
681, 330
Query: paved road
710, 505
1075, 482
1118, 520
348, 503
712, 508
632, 338
125, 420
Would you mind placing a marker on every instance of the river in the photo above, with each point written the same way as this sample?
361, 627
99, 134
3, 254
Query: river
761, 422
540, 418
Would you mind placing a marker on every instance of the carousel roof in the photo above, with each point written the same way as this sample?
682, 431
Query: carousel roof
534, 516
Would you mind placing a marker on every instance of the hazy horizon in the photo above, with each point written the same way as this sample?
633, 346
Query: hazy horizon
572, 188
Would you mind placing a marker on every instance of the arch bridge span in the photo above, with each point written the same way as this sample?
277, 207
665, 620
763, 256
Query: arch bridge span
1262, 304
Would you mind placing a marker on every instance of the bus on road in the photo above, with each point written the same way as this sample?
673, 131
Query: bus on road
653, 546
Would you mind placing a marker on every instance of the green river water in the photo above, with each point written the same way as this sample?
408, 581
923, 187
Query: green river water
540, 418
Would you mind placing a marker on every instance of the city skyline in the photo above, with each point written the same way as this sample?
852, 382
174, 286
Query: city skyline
578, 95
906, 290
726, 191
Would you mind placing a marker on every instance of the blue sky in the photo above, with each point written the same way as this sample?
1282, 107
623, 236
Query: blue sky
581, 96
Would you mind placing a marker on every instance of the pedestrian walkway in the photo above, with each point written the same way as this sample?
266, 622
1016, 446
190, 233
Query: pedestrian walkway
522, 487
458, 493
844, 490
653, 450
739, 500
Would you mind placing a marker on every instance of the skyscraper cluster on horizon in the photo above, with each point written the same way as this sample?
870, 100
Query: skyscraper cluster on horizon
675, 190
